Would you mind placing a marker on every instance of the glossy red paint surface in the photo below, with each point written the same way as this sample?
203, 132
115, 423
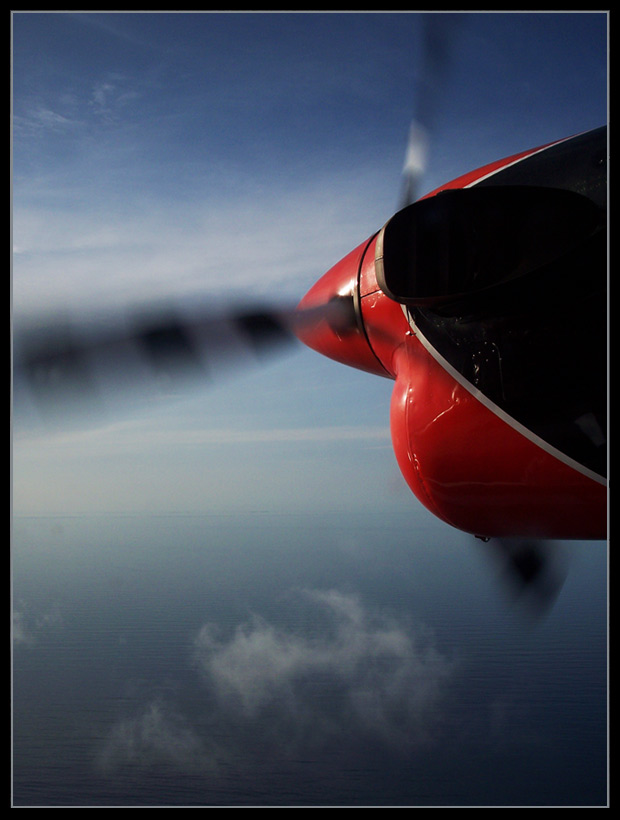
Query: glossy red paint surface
474, 470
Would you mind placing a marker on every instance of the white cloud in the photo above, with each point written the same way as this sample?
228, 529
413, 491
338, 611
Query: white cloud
362, 673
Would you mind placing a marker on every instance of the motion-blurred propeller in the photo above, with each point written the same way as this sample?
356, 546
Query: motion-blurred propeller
532, 571
105, 362
66, 366
436, 36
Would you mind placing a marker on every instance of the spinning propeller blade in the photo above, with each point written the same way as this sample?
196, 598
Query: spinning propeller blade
102, 364
435, 48
65, 364
532, 571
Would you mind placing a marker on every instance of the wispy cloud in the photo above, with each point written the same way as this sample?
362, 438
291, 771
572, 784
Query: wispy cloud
21, 632
157, 736
74, 247
75, 114
29, 628
110, 97
356, 675
41, 118
362, 673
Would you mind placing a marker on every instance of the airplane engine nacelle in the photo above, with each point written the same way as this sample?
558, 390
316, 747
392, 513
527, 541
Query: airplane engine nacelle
487, 305
477, 472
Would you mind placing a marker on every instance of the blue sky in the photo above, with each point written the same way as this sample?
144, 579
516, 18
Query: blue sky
239, 156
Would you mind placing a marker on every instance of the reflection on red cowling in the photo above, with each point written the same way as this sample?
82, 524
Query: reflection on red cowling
477, 472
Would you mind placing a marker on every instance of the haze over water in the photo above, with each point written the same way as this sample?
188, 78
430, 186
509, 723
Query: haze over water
288, 660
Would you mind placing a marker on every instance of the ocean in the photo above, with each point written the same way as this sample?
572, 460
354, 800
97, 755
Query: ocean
257, 659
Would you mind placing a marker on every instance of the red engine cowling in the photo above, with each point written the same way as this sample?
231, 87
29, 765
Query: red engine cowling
463, 460
471, 462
